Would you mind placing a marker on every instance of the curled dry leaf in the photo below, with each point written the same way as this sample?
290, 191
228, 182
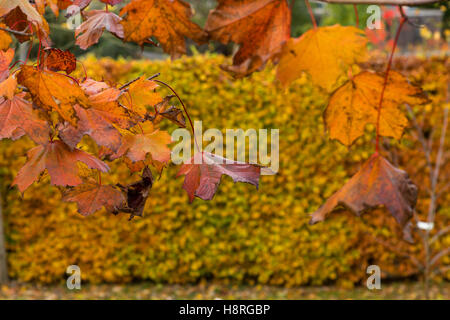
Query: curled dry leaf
377, 183
315, 53
53, 92
58, 60
60, 162
91, 197
136, 194
17, 118
355, 104
90, 31
168, 21
136, 145
260, 27
165, 110
203, 174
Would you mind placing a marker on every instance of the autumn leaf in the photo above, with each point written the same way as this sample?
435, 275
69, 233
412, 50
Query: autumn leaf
5, 38
140, 95
355, 104
6, 58
90, 31
8, 87
91, 197
17, 20
60, 162
17, 113
55, 59
315, 52
377, 183
203, 174
168, 21
104, 102
111, 2
150, 140
42, 4
260, 27
136, 194
93, 124
53, 92
164, 110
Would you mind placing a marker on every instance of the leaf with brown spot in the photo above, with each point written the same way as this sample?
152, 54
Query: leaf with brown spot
315, 52
140, 95
53, 92
168, 21
260, 27
136, 194
91, 197
377, 183
203, 174
17, 113
90, 31
58, 60
60, 162
355, 104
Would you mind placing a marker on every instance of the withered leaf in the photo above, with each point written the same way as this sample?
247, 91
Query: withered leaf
58, 60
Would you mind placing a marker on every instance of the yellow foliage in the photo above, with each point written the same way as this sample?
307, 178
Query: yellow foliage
242, 235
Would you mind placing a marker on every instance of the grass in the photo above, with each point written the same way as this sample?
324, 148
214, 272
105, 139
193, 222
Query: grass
394, 291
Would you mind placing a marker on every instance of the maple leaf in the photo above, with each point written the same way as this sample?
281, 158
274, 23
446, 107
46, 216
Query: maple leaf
91, 197
53, 4
355, 104
53, 91
140, 95
5, 60
172, 113
168, 21
377, 183
90, 31
203, 179
261, 27
315, 53
104, 101
5, 38
60, 162
58, 60
93, 124
136, 194
8, 87
17, 20
17, 113
151, 140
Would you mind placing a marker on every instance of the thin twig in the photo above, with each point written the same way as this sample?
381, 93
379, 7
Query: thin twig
19, 33
134, 80
439, 255
439, 234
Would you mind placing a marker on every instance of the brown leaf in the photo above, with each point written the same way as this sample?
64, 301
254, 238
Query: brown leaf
377, 183
203, 179
137, 194
260, 27
58, 60
168, 21
90, 31
60, 162
91, 197
172, 113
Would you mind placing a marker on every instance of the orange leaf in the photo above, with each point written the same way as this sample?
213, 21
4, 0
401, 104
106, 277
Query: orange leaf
5, 60
377, 183
91, 197
92, 28
60, 162
17, 113
8, 87
203, 179
58, 60
355, 104
53, 91
168, 21
260, 27
5, 38
140, 95
315, 52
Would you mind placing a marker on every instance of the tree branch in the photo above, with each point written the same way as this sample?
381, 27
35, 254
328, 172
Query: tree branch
439, 234
20, 33
383, 2
439, 255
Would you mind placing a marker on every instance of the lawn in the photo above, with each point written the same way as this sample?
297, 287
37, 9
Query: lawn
403, 290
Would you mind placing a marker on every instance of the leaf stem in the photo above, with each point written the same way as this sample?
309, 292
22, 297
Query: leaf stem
311, 14
185, 111
355, 7
386, 77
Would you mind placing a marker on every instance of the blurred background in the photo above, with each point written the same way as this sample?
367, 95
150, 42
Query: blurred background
244, 243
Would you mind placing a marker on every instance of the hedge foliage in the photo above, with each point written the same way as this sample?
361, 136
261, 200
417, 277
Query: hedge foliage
242, 235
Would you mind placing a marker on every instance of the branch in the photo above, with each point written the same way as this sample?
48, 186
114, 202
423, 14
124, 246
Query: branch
439, 255
382, 2
439, 234
20, 33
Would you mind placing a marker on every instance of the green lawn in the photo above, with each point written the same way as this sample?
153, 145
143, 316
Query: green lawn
217, 291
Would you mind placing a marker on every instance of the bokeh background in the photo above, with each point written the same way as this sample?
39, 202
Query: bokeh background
257, 240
